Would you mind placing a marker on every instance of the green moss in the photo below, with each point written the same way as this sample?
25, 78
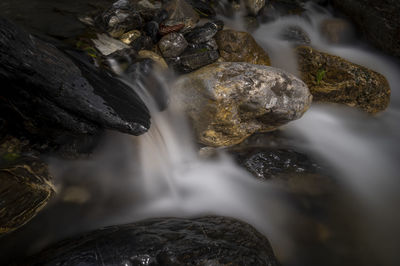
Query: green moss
320, 75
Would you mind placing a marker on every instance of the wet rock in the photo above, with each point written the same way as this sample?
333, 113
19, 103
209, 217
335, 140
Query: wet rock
151, 28
254, 6
130, 36
227, 102
161, 16
236, 46
169, 29
155, 57
203, 8
379, 21
165, 241
148, 10
121, 59
54, 92
121, 17
275, 9
142, 43
25, 186
172, 45
333, 79
210, 45
107, 45
336, 30
204, 33
194, 58
180, 12
296, 35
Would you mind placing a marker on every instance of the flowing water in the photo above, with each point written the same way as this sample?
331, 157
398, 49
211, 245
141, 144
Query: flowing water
161, 173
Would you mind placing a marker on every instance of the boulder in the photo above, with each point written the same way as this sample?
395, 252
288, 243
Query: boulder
379, 21
25, 186
164, 241
172, 45
55, 91
334, 79
227, 102
237, 46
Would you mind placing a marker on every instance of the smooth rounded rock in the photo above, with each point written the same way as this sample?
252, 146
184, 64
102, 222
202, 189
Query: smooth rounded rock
172, 45
254, 6
227, 102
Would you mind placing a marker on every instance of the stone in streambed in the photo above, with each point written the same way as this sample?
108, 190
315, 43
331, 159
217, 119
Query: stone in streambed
180, 12
25, 186
254, 6
227, 102
172, 45
334, 79
295, 35
194, 58
204, 33
130, 36
151, 29
336, 30
165, 241
236, 46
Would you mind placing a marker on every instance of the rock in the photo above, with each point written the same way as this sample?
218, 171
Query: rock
25, 186
227, 102
333, 79
155, 57
204, 9
210, 45
107, 45
180, 12
236, 46
121, 17
194, 58
172, 45
161, 16
130, 36
204, 33
165, 241
296, 35
148, 10
379, 21
169, 29
53, 92
151, 29
274, 9
254, 6
142, 43
121, 59
336, 30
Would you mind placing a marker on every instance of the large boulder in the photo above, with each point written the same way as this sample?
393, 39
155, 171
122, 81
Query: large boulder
227, 102
379, 21
54, 90
334, 79
25, 186
237, 46
165, 241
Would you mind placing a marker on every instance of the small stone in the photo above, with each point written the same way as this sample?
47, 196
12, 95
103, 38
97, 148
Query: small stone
210, 45
227, 102
155, 57
130, 36
180, 12
151, 29
172, 45
107, 45
334, 79
142, 43
254, 6
168, 29
193, 59
204, 9
236, 46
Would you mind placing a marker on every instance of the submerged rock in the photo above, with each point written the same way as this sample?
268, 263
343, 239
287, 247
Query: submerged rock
336, 30
333, 79
296, 35
379, 21
25, 186
228, 102
165, 241
236, 46
172, 45
155, 57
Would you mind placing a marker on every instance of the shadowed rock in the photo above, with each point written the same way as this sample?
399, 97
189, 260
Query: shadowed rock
165, 241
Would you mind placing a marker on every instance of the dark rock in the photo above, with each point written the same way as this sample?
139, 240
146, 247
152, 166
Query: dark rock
120, 18
55, 92
142, 43
180, 12
25, 186
254, 6
151, 28
275, 9
172, 45
204, 8
210, 45
296, 35
122, 59
204, 33
148, 10
193, 59
161, 16
165, 241
379, 21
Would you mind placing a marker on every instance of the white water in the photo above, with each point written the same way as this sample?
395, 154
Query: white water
160, 173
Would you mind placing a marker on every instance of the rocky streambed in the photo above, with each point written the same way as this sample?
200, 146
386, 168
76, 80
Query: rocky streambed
74, 72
